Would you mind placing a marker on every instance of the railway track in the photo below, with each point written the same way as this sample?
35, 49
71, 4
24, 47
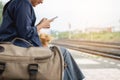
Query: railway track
106, 49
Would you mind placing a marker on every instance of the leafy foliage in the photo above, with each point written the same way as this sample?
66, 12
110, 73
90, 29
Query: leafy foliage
1, 7
101, 36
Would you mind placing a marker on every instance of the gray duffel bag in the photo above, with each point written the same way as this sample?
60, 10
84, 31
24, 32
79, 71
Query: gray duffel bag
33, 63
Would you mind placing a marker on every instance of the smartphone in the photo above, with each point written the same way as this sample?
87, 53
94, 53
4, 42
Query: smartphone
52, 19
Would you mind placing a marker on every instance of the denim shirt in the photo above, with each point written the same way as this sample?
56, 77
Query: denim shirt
19, 21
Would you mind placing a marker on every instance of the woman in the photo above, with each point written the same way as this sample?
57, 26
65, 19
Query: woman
19, 21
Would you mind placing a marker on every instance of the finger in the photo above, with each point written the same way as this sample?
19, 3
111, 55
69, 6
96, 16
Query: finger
48, 26
51, 20
44, 18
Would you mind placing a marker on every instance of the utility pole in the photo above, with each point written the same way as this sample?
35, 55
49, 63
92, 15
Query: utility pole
119, 26
57, 35
69, 35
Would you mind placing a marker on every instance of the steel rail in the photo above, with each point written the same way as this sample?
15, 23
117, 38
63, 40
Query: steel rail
115, 45
92, 48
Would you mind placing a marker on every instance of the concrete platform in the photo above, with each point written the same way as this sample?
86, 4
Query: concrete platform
97, 67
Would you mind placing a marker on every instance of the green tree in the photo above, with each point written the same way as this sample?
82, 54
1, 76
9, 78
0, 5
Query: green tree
1, 7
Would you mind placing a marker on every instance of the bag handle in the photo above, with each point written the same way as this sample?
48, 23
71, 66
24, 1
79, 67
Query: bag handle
21, 40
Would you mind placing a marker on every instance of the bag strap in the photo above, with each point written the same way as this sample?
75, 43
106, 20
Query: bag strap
21, 39
2, 69
32, 70
58, 50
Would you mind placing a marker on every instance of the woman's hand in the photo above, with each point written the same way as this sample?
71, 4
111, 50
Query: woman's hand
44, 23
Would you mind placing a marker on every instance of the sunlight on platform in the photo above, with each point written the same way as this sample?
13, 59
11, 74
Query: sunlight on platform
102, 74
85, 61
96, 67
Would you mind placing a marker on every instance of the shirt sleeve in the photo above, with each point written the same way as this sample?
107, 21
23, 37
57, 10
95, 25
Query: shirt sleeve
24, 23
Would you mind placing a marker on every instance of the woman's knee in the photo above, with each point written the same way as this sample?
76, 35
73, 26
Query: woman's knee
64, 51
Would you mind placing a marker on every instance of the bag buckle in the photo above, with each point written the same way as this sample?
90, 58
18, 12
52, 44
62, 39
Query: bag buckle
33, 69
2, 67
